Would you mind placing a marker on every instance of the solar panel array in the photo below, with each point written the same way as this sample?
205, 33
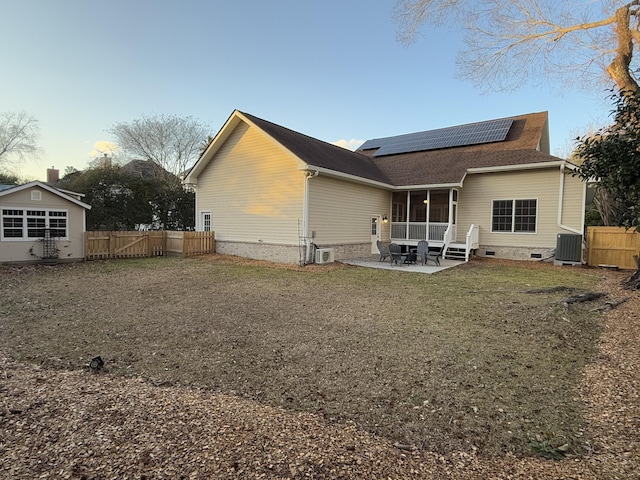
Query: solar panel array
458, 136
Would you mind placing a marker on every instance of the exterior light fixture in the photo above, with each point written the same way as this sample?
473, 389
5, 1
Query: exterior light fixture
425, 201
384, 219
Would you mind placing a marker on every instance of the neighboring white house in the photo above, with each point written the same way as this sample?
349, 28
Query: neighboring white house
40, 222
489, 188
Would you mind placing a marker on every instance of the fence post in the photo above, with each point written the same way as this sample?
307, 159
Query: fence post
112, 244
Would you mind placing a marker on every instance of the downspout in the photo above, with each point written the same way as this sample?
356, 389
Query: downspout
560, 202
308, 175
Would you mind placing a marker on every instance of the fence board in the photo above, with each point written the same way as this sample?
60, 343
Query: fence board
198, 243
612, 246
137, 244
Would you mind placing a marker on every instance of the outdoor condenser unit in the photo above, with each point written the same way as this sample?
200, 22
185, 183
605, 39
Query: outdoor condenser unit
324, 255
569, 248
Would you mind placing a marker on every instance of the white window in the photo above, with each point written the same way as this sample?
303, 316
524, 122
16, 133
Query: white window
25, 224
206, 221
517, 216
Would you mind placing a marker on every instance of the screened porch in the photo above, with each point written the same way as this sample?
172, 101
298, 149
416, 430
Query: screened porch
423, 215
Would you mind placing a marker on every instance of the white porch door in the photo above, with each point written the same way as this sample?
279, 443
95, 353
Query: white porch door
205, 221
376, 226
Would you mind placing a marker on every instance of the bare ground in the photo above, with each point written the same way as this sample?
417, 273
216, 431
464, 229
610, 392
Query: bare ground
75, 424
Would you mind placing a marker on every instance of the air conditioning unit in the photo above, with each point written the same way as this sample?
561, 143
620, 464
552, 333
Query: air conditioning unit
569, 248
324, 255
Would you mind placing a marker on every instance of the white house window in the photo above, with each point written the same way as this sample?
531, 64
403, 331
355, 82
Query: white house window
23, 224
517, 216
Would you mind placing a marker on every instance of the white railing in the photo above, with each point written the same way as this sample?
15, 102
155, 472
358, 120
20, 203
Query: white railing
419, 231
447, 238
472, 241
399, 230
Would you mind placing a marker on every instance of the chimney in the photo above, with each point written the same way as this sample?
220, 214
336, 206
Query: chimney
105, 161
53, 175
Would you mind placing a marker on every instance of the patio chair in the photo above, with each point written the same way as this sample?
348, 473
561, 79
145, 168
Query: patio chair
395, 252
384, 250
424, 254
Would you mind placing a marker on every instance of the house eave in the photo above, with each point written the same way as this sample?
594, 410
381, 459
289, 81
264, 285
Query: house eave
214, 146
511, 168
48, 188
428, 186
346, 176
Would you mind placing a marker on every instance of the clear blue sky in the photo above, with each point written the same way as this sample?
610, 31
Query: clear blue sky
331, 69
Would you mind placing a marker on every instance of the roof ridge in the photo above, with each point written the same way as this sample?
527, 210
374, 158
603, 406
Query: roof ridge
250, 116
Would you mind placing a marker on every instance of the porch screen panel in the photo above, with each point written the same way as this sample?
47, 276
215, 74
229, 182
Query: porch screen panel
399, 207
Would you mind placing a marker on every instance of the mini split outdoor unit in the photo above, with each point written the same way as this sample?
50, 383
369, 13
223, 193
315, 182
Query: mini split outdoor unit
324, 255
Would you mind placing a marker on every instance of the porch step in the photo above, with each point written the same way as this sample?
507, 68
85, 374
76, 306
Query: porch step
456, 252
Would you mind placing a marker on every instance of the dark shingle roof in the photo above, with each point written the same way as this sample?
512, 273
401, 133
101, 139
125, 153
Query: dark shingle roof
449, 165
432, 167
322, 154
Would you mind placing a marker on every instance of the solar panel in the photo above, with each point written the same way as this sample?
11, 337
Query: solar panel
458, 136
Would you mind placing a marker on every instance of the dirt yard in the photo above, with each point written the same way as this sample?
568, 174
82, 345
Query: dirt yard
298, 378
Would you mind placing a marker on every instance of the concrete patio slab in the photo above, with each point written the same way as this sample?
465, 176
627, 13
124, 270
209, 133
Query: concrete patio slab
373, 262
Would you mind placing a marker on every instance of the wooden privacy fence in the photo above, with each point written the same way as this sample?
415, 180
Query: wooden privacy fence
136, 244
612, 246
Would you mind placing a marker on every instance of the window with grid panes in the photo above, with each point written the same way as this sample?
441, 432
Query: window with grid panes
23, 224
517, 216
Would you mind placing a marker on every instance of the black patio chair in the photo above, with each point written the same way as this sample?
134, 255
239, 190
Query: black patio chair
424, 253
395, 252
384, 250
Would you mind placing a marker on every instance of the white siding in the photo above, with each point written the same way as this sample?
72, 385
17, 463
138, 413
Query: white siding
253, 190
340, 211
479, 190
573, 202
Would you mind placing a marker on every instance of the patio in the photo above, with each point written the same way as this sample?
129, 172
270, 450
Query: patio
373, 262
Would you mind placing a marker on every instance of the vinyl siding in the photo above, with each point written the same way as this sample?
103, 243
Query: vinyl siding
19, 250
479, 190
573, 202
340, 211
253, 190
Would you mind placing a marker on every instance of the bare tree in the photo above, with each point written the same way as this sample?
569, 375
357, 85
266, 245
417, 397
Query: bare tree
510, 41
172, 142
18, 136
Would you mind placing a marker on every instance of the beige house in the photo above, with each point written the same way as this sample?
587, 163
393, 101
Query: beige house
489, 188
40, 223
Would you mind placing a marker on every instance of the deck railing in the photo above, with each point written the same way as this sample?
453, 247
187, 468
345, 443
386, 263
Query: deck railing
472, 241
418, 231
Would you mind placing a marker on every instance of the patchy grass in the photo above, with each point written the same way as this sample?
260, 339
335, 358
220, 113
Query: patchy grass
463, 359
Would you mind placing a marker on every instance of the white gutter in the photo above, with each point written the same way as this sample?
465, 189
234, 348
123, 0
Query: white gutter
561, 199
308, 175
525, 166
428, 186
347, 176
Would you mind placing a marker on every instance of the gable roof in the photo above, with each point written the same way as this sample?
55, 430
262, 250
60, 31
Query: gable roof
315, 153
48, 188
521, 143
